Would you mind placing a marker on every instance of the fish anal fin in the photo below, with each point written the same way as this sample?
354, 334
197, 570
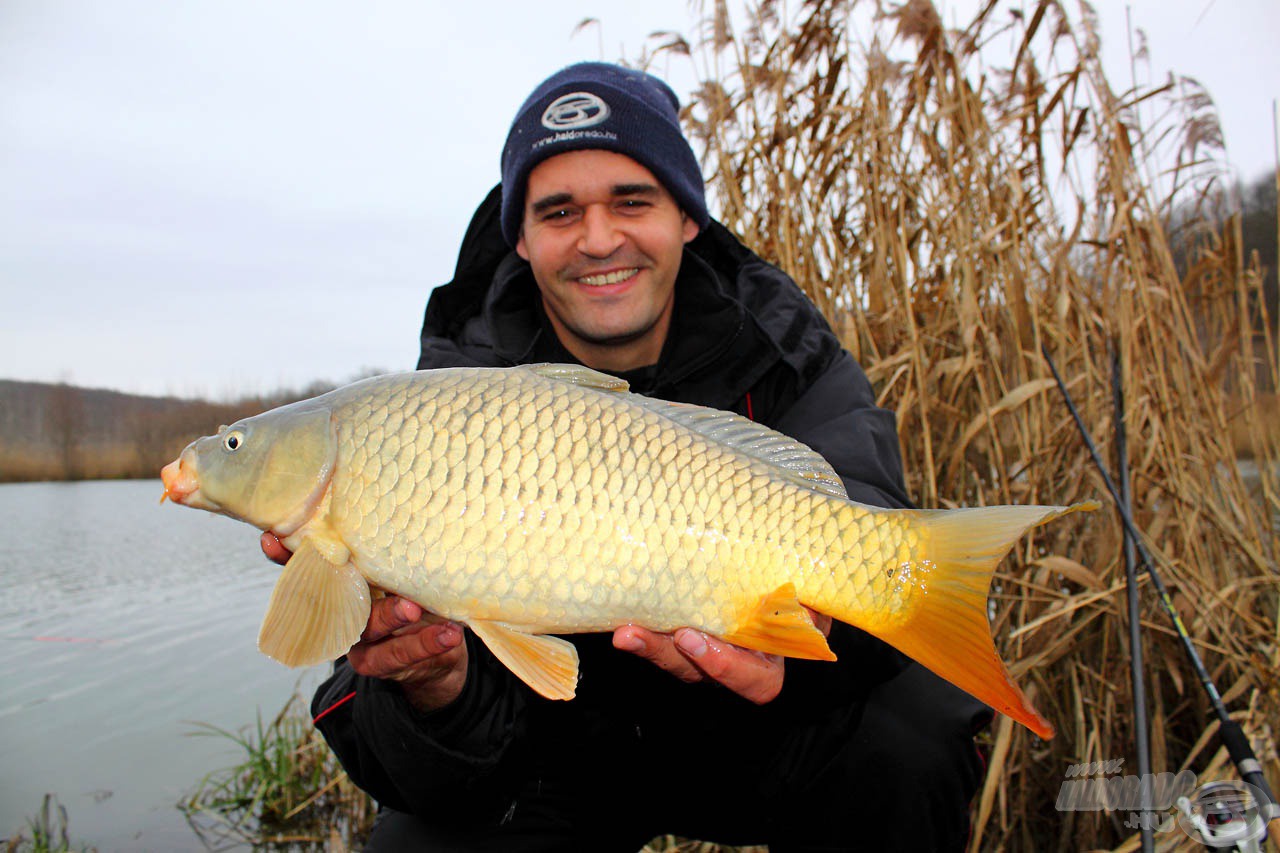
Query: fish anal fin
780, 625
547, 664
318, 608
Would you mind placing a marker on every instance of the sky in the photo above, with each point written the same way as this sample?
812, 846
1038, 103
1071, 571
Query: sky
222, 198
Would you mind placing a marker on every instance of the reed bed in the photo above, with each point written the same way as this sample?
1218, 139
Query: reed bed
955, 199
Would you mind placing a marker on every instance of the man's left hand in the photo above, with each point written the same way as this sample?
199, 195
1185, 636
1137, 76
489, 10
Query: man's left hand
691, 655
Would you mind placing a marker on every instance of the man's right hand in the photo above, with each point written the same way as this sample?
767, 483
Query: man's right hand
423, 652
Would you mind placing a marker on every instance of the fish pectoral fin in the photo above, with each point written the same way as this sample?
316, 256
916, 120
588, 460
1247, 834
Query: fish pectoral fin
781, 626
547, 664
318, 609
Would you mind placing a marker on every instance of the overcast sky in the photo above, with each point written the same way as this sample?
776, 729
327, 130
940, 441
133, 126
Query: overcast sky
227, 197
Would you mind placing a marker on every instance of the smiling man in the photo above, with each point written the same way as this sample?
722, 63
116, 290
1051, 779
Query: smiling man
604, 239
598, 248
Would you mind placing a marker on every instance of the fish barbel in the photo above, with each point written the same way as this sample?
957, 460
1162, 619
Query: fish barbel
545, 499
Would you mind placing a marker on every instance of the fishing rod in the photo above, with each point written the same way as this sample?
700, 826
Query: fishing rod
1141, 731
1232, 735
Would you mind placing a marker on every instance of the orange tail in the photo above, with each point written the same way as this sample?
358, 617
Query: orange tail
947, 630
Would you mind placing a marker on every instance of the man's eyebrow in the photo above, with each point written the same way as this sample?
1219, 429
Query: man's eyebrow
549, 201
635, 189
555, 200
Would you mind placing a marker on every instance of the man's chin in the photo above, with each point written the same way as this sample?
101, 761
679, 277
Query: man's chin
613, 336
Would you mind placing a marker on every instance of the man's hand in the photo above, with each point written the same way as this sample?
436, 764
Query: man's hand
694, 656
423, 652
404, 643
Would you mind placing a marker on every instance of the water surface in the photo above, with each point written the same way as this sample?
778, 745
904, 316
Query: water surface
123, 621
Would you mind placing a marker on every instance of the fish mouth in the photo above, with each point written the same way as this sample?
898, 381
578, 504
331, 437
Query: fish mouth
180, 482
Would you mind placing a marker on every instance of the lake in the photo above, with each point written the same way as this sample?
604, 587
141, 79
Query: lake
125, 621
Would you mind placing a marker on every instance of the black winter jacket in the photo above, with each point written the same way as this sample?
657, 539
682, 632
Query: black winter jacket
744, 337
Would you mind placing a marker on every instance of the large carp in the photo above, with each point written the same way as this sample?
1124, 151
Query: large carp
546, 499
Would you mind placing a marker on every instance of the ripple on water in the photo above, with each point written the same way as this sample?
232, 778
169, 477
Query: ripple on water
125, 621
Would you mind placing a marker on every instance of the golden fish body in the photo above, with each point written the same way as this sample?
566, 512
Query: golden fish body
556, 508
545, 499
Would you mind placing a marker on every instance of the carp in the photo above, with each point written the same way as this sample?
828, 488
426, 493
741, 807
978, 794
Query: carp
546, 499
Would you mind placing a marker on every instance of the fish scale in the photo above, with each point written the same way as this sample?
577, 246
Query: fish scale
570, 571
546, 500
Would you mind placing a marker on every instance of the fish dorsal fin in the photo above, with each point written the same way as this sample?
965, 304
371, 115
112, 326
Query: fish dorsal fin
577, 374
794, 461
781, 626
547, 664
318, 608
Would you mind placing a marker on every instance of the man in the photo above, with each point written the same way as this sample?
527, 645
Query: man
598, 248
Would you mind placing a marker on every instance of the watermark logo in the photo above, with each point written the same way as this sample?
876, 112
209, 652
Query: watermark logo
1217, 814
1099, 786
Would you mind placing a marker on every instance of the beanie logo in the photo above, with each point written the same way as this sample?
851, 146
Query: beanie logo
575, 110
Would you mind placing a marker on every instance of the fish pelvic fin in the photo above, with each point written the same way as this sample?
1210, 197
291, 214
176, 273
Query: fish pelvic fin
547, 664
318, 609
945, 627
780, 625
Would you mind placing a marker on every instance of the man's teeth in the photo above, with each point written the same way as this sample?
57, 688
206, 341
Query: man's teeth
609, 277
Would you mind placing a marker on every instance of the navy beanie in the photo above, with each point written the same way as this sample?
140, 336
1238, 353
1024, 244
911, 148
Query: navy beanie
596, 105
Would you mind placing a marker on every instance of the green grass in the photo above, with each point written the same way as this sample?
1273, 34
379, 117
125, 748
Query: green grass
288, 792
49, 831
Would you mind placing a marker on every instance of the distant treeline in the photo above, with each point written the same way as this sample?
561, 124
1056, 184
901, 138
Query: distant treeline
1206, 225
63, 432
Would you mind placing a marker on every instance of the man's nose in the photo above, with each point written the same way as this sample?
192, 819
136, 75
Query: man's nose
600, 236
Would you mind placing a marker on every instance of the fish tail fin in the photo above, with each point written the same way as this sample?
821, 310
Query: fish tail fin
943, 622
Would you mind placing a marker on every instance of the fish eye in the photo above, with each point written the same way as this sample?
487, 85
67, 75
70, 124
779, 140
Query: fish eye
233, 440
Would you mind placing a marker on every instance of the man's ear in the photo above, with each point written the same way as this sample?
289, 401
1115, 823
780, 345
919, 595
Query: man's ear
521, 249
689, 228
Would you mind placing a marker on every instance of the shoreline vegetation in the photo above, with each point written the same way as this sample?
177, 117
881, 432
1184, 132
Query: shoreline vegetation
56, 432
288, 793
953, 207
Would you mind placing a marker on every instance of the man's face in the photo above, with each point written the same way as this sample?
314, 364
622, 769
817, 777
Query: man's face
604, 239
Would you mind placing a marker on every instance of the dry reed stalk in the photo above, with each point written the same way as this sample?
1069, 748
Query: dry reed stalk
951, 214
